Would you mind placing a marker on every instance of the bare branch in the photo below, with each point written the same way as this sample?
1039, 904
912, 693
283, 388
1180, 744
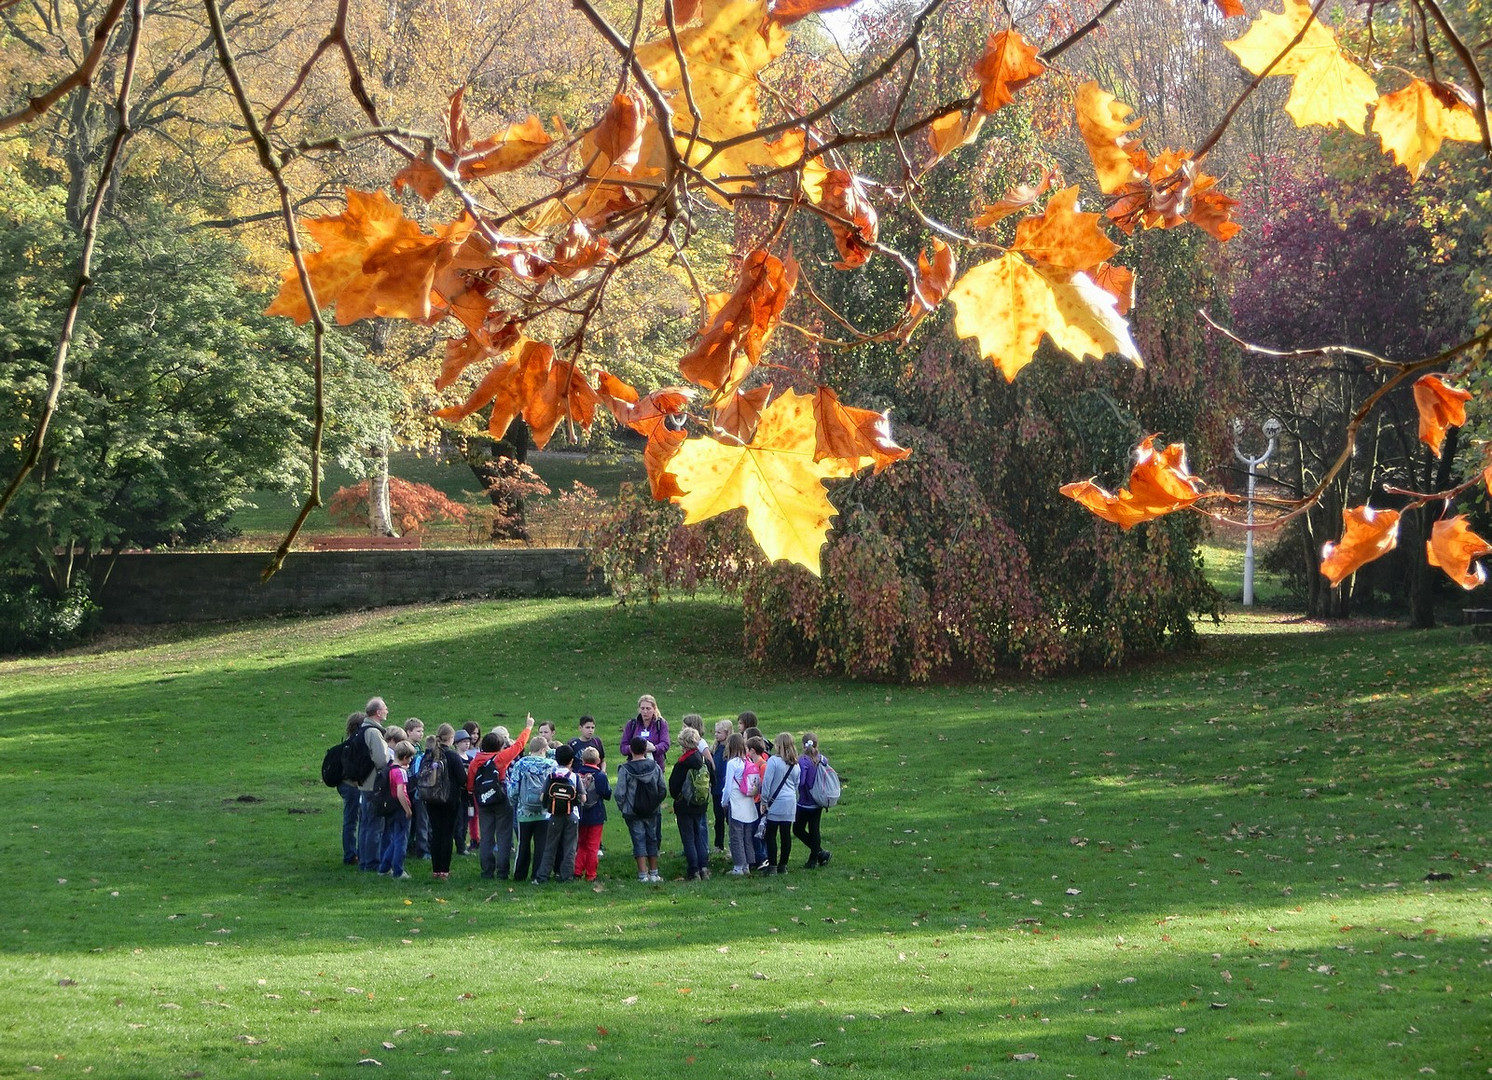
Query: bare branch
82, 75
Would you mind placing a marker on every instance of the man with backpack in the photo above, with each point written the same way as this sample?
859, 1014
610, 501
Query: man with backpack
363, 755
561, 802
487, 781
640, 792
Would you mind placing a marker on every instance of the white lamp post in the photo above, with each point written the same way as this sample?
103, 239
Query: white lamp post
1271, 428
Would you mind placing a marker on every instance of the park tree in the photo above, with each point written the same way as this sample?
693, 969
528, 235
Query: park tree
721, 127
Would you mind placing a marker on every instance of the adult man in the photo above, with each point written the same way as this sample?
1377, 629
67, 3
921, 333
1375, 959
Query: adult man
370, 826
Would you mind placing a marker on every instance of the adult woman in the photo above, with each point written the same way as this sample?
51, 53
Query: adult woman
349, 792
650, 725
443, 812
495, 820
693, 831
780, 800
806, 825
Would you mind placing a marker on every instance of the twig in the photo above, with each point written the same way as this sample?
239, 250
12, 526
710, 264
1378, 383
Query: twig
82, 75
122, 133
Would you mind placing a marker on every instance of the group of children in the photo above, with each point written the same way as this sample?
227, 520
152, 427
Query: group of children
534, 807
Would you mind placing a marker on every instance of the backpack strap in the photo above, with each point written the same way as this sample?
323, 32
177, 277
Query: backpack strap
780, 785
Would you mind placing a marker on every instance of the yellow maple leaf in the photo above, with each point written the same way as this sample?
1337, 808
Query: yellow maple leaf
1008, 304
1104, 123
1413, 122
724, 54
1329, 88
952, 130
774, 477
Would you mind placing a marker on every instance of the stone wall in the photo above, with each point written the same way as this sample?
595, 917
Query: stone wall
197, 587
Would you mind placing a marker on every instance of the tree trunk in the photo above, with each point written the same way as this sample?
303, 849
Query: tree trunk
380, 514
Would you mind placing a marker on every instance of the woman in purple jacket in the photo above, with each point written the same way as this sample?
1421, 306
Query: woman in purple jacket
806, 823
650, 725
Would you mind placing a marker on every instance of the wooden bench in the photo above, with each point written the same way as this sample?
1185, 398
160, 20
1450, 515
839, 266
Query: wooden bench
365, 543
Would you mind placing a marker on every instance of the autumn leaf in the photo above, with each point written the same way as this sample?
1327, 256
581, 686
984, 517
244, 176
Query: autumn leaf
952, 130
1229, 8
579, 250
852, 434
373, 261
617, 140
1118, 282
684, 12
1440, 407
1172, 190
1412, 123
1367, 534
1329, 88
843, 196
513, 148
725, 54
1453, 547
565, 395
1008, 304
774, 477
1159, 484
659, 416
1009, 63
1019, 198
787, 12
1105, 126
508, 388
732, 342
1062, 237
934, 276
738, 415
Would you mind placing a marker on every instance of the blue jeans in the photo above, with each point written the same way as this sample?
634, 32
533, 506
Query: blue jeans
395, 837
646, 833
370, 830
349, 795
694, 831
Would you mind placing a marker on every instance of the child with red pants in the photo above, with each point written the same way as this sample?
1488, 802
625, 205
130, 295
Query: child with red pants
595, 789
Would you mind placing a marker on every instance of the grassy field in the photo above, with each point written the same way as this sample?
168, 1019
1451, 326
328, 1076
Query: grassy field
1214, 866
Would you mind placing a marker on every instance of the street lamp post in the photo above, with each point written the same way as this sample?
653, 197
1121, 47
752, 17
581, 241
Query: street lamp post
1271, 428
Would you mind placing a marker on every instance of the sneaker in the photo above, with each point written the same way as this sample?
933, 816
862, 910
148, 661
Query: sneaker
643, 877
766, 868
600, 853
655, 877
738, 871
440, 877
823, 858
781, 870
704, 873
385, 873
403, 875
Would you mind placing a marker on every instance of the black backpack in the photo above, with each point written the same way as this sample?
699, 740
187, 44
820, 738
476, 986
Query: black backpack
434, 779
487, 789
357, 759
331, 765
560, 796
384, 803
648, 792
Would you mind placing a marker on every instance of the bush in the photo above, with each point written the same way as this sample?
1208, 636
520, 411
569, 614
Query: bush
412, 505
31, 620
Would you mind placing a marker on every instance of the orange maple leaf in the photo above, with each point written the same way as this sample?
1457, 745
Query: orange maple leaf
1366, 534
739, 414
659, 416
1062, 237
843, 196
952, 130
1021, 197
732, 342
787, 12
1453, 547
1440, 407
1170, 191
1412, 123
373, 261
1009, 63
852, 434
508, 388
934, 278
1159, 484
513, 148
565, 394
1118, 282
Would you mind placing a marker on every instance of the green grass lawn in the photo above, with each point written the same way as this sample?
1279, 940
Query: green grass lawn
1210, 866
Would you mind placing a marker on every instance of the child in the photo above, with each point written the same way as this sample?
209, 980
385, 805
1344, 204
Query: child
640, 792
562, 803
717, 781
756, 755
740, 799
592, 817
397, 833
